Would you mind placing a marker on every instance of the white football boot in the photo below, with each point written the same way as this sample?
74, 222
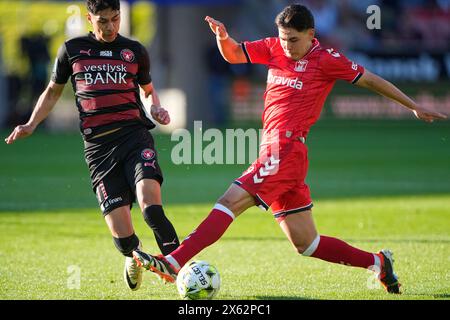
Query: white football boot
132, 273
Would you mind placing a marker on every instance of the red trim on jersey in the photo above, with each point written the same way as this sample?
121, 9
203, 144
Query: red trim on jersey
108, 101
314, 45
82, 86
357, 77
100, 65
102, 119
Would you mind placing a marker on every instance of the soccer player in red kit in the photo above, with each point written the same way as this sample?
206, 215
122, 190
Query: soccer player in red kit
300, 76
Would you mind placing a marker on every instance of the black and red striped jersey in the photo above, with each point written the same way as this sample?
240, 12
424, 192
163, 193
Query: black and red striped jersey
105, 78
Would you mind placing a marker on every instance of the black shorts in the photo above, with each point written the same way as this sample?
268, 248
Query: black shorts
117, 162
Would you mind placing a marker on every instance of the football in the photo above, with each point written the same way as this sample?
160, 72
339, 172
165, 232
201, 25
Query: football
198, 280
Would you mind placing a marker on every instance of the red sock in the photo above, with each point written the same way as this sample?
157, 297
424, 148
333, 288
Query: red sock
208, 232
338, 251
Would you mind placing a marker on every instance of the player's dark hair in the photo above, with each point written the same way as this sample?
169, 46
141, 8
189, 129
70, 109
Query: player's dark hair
295, 16
94, 6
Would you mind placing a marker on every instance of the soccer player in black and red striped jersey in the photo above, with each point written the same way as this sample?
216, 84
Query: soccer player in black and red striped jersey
107, 72
301, 74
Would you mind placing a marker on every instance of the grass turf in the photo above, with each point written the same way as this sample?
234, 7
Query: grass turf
374, 184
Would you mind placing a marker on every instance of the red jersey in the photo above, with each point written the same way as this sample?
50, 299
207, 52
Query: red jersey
296, 90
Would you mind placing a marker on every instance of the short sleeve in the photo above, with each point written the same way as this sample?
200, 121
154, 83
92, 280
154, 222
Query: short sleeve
143, 75
257, 51
61, 69
336, 66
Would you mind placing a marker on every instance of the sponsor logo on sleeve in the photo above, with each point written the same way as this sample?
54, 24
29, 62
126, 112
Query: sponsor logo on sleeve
333, 53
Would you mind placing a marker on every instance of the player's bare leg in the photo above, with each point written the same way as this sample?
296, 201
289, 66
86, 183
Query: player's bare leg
301, 232
121, 228
234, 201
119, 222
237, 200
148, 193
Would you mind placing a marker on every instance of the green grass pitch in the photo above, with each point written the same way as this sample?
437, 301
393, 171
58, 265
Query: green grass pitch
374, 184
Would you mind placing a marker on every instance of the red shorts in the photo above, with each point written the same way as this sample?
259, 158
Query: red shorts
277, 179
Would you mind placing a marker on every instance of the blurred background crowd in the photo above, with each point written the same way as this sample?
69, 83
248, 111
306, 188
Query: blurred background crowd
417, 25
411, 48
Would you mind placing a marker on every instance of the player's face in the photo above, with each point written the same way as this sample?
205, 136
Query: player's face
106, 24
295, 43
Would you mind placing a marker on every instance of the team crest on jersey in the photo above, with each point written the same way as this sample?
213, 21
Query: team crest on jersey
147, 154
300, 65
127, 55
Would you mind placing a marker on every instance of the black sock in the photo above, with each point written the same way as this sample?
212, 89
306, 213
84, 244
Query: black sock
165, 233
127, 245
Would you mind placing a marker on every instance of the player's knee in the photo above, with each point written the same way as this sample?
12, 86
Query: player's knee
304, 245
148, 192
226, 201
301, 247
236, 203
127, 245
154, 215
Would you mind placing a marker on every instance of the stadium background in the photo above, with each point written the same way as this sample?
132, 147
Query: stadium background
378, 176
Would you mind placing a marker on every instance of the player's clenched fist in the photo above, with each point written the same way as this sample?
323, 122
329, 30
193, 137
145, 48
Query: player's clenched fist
217, 27
160, 114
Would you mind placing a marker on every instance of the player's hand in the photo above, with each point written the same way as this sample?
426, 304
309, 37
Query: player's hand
428, 115
160, 114
217, 27
19, 132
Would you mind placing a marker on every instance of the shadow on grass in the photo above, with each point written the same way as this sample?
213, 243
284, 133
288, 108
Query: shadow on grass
445, 296
346, 239
284, 298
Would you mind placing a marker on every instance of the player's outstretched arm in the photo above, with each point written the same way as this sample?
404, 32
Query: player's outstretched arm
381, 86
45, 104
231, 50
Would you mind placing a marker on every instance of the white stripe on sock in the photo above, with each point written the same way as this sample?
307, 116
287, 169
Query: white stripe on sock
224, 209
173, 262
377, 262
312, 247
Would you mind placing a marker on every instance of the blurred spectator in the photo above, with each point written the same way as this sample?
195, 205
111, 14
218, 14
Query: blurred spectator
35, 48
256, 19
405, 24
13, 93
218, 85
326, 16
427, 26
